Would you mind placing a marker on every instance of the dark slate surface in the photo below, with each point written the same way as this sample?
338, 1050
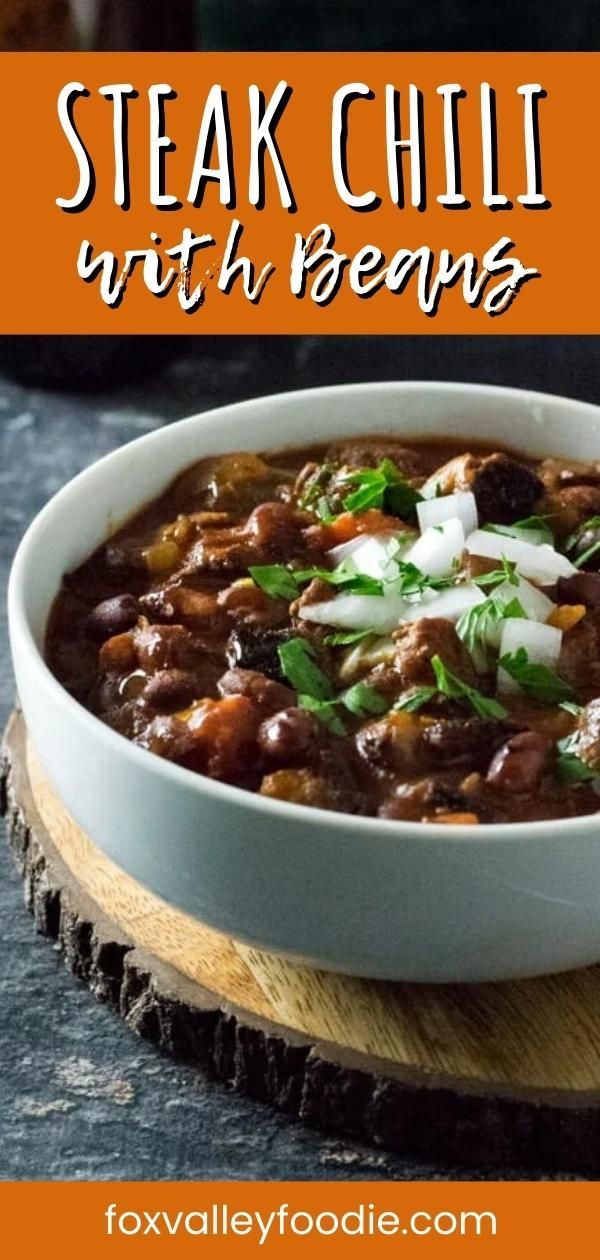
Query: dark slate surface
79, 1096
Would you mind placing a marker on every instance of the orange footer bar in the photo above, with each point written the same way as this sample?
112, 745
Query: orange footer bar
322, 1219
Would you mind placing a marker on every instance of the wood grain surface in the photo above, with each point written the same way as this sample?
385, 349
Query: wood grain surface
489, 1072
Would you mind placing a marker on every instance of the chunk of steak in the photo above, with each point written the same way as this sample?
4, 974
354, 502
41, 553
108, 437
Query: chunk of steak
394, 742
418, 641
579, 660
581, 588
505, 489
272, 532
361, 454
414, 802
471, 742
569, 508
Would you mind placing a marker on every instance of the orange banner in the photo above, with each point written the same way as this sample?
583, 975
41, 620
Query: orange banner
299, 193
296, 1219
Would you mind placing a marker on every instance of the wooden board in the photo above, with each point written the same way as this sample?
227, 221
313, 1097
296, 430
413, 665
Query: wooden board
498, 1074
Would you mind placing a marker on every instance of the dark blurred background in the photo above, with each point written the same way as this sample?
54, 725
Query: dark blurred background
384, 25
171, 374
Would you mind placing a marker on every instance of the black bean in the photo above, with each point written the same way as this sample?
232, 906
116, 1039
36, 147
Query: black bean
519, 765
285, 738
256, 649
112, 616
170, 689
505, 490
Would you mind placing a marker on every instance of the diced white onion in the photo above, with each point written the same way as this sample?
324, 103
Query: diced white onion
363, 656
542, 564
384, 612
431, 487
449, 604
424, 596
436, 511
542, 644
357, 612
438, 551
505, 684
538, 537
343, 550
534, 603
374, 556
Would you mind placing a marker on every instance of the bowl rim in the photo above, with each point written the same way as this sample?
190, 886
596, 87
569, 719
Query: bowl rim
311, 816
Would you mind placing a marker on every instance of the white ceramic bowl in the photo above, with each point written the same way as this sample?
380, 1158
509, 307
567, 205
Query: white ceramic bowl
397, 900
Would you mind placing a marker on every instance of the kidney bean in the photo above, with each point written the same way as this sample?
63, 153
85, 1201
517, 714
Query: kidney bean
170, 689
266, 694
580, 588
112, 616
285, 738
117, 654
519, 765
161, 647
272, 524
